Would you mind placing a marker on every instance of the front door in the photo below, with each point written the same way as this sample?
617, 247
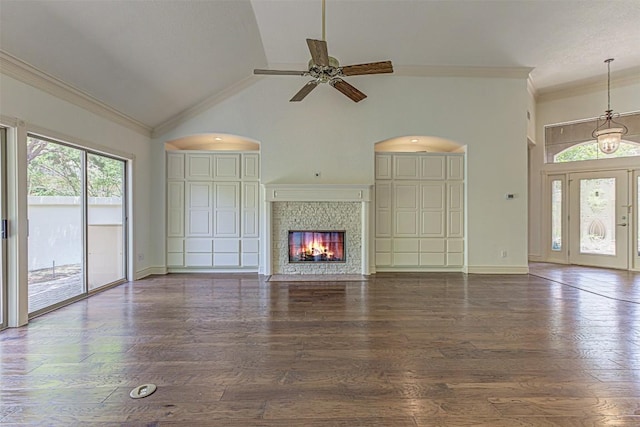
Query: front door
599, 220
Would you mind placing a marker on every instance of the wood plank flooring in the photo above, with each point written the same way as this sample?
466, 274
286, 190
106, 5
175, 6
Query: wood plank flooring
397, 350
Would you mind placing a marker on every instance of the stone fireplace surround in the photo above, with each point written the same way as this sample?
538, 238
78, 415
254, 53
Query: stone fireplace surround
321, 207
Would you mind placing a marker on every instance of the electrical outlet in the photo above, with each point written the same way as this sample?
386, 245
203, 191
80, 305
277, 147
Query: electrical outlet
317, 174
503, 254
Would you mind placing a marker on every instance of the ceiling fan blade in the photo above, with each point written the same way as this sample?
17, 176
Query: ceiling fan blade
319, 52
306, 89
348, 90
369, 68
281, 72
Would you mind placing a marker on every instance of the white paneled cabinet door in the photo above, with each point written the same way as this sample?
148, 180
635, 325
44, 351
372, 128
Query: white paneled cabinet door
175, 166
227, 209
250, 218
250, 248
175, 209
455, 168
432, 167
406, 202
251, 167
383, 166
455, 209
406, 167
199, 209
432, 209
199, 167
227, 167
383, 209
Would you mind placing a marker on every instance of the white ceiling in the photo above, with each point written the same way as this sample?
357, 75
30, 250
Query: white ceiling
152, 60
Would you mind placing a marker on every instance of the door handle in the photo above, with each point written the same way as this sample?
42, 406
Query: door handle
621, 225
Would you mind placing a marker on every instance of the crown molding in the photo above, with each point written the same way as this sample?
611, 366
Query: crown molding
626, 77
26, 73
462, 71
8, 121
204, 105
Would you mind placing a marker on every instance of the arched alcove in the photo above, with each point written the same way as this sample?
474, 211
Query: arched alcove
213, 142
419, 144
420, 204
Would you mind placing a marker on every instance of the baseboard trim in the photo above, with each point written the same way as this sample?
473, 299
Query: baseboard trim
536, 258
211, 270
149, 271
497, 269
419, 270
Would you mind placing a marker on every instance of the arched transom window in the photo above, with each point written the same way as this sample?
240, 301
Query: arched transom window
572, 142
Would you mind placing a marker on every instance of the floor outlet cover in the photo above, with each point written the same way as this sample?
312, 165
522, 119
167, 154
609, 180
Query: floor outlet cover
142, 391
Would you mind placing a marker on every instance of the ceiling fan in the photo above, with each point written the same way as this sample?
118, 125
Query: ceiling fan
326, 69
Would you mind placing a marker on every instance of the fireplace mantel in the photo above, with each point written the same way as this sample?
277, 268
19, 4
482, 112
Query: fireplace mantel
346, 193
317, 193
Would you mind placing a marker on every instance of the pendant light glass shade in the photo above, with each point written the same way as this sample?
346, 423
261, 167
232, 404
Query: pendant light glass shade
609, 133
609, 139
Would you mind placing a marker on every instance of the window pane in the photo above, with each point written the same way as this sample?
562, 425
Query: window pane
556, 215
105, 220
598, 216
54, 181
591, 151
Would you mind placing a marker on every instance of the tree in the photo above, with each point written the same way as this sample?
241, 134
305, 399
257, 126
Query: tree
53, 169
105, 176
56, 170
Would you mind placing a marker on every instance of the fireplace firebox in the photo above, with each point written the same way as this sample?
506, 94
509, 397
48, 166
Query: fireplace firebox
316, 246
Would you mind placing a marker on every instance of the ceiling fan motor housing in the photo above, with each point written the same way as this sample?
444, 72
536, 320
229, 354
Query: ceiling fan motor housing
322, 73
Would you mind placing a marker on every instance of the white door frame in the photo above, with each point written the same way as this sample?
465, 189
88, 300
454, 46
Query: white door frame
3, 241
634, 243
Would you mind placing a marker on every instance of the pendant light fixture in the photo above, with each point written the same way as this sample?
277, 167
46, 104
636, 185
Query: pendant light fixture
609, 133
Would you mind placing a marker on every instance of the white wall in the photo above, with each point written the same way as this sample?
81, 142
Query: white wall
330, 134
43, 111
561, 107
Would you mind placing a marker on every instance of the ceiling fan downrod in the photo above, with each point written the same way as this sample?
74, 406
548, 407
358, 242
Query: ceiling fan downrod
324, 36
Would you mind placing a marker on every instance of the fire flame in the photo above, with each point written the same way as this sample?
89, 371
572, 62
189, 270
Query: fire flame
317, 248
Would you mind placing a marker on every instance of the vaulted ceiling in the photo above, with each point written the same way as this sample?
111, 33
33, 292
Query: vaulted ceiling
151, 60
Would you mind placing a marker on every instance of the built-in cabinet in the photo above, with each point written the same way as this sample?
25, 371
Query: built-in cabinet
212, 210
419, 211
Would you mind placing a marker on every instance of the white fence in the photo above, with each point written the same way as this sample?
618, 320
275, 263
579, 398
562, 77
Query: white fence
55, 232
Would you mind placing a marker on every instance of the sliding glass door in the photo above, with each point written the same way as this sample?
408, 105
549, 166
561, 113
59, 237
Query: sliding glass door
76, 222
105, 221
56, 236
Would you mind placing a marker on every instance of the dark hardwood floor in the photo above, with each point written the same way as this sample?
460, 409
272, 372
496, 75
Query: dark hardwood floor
398, 350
